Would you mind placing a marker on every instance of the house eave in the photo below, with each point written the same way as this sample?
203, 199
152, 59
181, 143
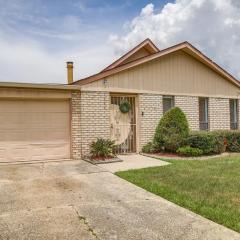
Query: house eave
64, 87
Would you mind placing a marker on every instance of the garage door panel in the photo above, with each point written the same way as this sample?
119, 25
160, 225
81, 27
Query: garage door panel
36, 120
34, 135
3, 154
18, 153
30, 151
34, 130
14, 151
36, 106
54, 150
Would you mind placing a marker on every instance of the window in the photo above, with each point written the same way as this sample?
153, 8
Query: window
168, 103
233, 114
203, 114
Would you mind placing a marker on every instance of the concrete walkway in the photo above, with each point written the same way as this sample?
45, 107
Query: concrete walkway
132, 161
76, 200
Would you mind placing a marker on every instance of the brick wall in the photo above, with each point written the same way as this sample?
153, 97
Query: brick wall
91, 117
76, 125
189, 105
151, 106
95, 117
219, 113
150, 112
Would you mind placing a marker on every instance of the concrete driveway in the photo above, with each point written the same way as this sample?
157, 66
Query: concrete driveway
76, 200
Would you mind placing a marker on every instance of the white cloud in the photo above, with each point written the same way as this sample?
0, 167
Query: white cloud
35, 49
211, 25
148, 10
28, 61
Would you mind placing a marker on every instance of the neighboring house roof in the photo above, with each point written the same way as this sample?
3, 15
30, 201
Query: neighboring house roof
147, 45
184, 46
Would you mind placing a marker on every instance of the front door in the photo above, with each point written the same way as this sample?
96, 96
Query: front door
123, 124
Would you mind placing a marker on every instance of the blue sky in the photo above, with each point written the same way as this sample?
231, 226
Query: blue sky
60, 30
37, 37
57, 22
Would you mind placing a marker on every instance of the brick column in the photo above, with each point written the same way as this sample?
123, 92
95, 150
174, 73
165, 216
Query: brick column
95, 117
150, 112
219, 113
189, 106
76, 125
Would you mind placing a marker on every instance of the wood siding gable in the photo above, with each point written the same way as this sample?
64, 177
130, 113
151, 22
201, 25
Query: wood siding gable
175, 73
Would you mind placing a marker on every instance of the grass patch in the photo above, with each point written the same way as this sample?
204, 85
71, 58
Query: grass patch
210, 188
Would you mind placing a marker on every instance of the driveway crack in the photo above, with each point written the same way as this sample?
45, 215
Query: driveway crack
83, 220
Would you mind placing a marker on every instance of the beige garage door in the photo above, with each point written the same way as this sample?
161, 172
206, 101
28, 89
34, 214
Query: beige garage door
34, 130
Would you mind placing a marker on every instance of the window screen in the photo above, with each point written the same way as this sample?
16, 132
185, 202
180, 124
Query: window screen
203, 114
168, 103
233, 114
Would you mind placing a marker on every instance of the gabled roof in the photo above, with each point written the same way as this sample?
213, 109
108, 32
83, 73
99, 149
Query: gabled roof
146, 45
184, 46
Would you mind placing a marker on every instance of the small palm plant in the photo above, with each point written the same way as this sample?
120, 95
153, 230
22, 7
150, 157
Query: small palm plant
102, 148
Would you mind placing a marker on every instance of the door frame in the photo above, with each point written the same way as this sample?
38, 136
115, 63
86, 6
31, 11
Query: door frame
114, 94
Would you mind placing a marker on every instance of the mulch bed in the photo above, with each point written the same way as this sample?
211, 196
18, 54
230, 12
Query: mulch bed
102, 160
173, 156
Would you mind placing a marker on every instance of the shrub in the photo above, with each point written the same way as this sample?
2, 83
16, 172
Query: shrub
149, 148
172, 130
190, 151
220, 141
232, 141
208, 142
102, 148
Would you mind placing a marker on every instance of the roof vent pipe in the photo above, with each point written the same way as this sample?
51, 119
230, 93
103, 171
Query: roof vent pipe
70, 72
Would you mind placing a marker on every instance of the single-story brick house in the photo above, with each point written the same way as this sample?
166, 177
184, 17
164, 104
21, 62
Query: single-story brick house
42, 122
153, 81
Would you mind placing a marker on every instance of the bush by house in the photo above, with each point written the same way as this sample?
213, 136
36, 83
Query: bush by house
172, 135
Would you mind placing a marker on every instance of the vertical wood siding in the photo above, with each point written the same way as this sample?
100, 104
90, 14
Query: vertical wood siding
139, 54
177, 73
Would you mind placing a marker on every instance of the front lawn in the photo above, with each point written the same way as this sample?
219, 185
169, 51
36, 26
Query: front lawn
210, 188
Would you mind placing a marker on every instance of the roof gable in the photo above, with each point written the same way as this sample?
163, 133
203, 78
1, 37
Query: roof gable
184, 46
145, 48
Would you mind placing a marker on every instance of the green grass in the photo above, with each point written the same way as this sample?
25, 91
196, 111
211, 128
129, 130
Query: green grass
210, 188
